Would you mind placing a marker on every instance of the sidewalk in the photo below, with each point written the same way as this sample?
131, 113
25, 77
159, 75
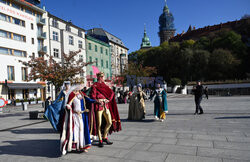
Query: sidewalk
221, 134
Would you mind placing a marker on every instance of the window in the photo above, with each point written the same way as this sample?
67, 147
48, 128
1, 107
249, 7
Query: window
55, 36
11, 72
20, 53
32, 26
90, 59
79, 44
96, 48
24, 73
17, 37
68, 28
56, 53
80, 57
16, 6
80, 33
101, 49
101, 63
71, 40
106, 52
3, 34
96, 59
16, 21
32, 40
55, 23
28, 11
5, 51
33, 55
107, 64
89, 46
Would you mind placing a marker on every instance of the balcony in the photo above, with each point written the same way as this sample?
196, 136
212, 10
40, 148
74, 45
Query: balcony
40, 21
41, 35
42, 49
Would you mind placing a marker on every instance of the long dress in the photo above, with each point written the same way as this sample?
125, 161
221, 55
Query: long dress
54, 112
164, 107
75, 134
137, 109
157, 102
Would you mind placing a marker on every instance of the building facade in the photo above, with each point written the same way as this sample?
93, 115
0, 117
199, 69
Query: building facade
98, 52
119, 52
64, 37
21, 36
166, 22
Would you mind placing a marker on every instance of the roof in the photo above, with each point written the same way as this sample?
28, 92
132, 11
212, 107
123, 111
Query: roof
102, 33
66, 22
24, 86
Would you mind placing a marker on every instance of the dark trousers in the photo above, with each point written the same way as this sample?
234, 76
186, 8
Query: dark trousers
198, 104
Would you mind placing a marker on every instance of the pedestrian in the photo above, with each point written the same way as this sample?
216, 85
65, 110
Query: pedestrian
107, 108
75, 133
55, 111
206, 92
157, 95
137, 109
198, 91
47, 103
164, 102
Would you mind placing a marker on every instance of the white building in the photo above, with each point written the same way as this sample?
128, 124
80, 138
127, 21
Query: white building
21, 36
63, 38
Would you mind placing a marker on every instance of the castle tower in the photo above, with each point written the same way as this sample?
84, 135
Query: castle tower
166, 22
145, 40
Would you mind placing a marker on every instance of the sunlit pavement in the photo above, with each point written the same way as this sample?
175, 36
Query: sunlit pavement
222, 134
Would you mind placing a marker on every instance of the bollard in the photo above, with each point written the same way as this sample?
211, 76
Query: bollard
25, 107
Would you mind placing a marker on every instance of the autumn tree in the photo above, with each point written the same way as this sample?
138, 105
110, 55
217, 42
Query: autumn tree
47, 69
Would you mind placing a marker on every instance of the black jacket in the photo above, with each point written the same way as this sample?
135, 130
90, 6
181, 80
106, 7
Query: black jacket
198, 92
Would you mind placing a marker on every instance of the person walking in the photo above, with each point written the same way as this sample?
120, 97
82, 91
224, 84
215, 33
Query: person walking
198, 91
206, 92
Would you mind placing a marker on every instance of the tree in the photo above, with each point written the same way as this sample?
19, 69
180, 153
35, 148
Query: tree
222, 65
55, 72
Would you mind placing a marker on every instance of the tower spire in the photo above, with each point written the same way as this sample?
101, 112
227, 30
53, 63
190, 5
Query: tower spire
165, 2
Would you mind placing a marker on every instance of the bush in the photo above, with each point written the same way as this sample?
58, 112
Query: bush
175, 81
25, 100
17, 101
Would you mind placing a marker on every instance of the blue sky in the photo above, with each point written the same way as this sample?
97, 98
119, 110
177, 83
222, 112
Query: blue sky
125, 18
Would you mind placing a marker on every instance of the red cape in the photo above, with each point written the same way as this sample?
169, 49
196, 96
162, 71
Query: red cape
109, 94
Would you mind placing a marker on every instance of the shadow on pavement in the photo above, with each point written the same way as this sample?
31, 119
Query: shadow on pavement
144, 120
41, 148
233, 117
34, 131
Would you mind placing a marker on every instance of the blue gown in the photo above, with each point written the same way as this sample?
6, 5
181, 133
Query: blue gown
164, 100
54, 112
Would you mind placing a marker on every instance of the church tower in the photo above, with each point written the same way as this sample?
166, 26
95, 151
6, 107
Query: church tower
145, 40
166, 22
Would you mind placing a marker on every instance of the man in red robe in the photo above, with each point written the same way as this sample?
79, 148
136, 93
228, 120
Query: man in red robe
107, 108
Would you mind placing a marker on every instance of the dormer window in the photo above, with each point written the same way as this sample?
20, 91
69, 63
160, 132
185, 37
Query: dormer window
68, 28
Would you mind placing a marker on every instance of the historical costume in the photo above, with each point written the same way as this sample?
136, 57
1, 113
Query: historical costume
164, 108
107, 108
75, 134
157, 95
137, 109
54, 112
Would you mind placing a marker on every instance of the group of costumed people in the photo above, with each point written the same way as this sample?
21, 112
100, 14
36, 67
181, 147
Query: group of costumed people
78, 116
137, 110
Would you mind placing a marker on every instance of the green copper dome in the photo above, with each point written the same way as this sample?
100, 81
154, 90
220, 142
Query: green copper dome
145, 40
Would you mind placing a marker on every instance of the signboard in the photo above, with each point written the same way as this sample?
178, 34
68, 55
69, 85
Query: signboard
3, 102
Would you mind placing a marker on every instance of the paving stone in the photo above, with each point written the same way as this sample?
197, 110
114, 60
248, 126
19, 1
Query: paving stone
185, 135
238, 139
189, 158
187, 150
223, 153
188, 142
171, 141
141, 146
146, 156
232, 145
209, 137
